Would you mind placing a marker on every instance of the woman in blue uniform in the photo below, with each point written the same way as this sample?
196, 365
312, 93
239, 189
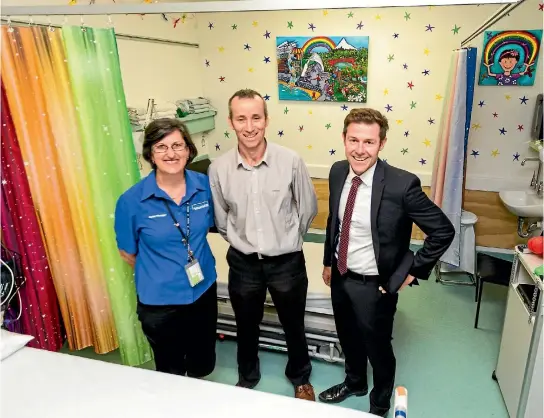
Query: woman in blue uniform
161, 225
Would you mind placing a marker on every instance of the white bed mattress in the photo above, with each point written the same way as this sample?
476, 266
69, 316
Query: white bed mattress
39, 383
319, 295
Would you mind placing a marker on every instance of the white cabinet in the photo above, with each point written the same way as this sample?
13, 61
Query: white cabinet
518, 371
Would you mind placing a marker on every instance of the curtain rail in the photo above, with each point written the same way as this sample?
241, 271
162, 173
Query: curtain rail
118, 35
227, 6
501, 13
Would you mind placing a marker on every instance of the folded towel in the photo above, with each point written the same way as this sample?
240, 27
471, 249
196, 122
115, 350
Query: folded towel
198, 101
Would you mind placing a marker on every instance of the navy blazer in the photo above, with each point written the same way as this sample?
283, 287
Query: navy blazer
397, 203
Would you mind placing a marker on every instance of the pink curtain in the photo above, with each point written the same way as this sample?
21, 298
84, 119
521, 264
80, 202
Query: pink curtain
21, 234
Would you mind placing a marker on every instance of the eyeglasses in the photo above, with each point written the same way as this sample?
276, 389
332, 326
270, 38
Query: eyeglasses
162, 148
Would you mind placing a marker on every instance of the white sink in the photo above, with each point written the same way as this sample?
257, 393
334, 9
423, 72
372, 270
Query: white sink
523, 204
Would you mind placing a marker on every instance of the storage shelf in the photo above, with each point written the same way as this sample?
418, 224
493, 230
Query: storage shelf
195, 122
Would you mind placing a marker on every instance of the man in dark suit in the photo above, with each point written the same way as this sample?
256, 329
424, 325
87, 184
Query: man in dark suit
372, 207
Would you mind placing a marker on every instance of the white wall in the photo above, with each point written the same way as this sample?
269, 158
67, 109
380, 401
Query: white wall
494, 167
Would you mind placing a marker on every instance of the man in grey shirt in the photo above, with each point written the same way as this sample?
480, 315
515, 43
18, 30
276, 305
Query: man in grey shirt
264, 203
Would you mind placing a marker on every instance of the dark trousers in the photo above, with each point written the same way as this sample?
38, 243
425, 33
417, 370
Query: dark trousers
285, 278
364, 323
182, 337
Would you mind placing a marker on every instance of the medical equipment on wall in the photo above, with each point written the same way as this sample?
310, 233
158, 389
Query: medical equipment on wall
11, 281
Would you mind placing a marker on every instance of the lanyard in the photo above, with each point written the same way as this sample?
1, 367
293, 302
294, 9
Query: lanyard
184, 238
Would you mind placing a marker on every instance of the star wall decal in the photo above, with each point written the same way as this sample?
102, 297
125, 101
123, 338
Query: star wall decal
332, 152
406, 133
405, 66
286, 110
476, 126
360, 25
407, 16
396, 35
234, 27
404, 151
210, 25
217, 147
255, 23
475, 153
410, 85
391, 57
425, 72
507, 96
267, 35
427, 142
300, 128
429, 28
399, 121
385, 92
516, 156
503, 131
311, 26
455, 29
227, 134
523, 100
207, 63
423, 161
495, 152
266, 97
222, 79
328, 126
495, 115
438, 97
413, 105
344, 107
350, 14
427, 51
280, 133
247, 47
481, 104
431, 121
290, 25
520, 128
266, 60
389, 108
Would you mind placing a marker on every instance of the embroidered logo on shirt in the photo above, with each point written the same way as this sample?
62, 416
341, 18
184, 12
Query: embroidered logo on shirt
160, 215
200, 205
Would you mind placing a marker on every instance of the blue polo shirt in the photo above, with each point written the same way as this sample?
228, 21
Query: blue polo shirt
143, 226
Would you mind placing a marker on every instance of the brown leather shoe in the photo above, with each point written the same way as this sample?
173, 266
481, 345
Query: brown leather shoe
305, 392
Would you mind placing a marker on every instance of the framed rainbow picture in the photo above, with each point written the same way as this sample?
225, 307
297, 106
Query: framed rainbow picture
510, 58
322, 68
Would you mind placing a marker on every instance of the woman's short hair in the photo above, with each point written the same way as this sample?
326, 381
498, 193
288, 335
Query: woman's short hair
158, 129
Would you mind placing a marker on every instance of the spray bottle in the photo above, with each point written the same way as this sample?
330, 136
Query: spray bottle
401, 402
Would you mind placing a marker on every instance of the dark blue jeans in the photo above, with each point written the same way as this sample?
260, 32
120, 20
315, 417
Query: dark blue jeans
285, 278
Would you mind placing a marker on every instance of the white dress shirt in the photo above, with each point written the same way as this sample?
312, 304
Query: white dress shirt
361, 258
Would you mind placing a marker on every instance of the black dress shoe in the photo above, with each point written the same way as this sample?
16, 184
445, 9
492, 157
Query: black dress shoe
381, 412
340, 392
247, 384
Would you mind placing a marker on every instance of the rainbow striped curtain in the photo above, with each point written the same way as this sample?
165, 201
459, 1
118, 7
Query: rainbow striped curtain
66, 98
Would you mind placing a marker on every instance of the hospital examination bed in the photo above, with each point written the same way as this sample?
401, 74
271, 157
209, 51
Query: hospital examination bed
320, 327
45, 384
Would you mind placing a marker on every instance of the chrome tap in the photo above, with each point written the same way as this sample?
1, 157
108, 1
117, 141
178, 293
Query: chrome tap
536, 183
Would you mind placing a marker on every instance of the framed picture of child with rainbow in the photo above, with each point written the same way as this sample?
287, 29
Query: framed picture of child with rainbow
510, 58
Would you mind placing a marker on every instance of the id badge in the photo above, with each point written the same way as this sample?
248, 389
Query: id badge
194, 273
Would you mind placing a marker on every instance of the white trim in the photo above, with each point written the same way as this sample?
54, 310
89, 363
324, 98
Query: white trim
496, 184
227, 6
478, 248
482, 183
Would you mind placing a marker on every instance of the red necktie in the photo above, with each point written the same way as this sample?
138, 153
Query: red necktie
346, 222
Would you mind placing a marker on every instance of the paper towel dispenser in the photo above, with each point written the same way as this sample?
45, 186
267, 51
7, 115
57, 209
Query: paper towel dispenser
536, 127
